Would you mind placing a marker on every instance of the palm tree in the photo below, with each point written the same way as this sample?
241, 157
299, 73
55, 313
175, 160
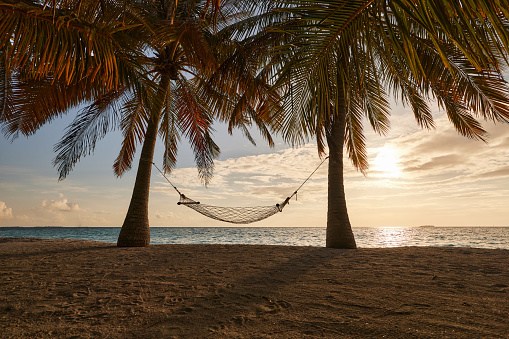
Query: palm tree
156, 68
347, 57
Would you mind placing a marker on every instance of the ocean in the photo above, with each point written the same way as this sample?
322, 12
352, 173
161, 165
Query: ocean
367, 237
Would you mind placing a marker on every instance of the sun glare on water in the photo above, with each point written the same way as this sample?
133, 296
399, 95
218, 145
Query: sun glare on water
386, 164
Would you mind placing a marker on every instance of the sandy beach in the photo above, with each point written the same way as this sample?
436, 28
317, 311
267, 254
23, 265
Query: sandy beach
83, 289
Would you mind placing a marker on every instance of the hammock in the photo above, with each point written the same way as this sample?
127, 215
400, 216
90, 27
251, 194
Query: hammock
236, 215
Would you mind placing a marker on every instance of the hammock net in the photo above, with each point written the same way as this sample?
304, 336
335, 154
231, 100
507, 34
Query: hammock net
234, 215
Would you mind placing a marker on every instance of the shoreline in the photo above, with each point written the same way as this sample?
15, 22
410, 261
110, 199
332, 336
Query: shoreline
469, 237
64, 288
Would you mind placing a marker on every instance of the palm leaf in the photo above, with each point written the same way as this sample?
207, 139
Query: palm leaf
6, 87
68, 46
462, 120
37, 102
80, 138
170, 135
134, 123
194, 122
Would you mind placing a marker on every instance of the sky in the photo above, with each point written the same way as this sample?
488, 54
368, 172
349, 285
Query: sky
416, 177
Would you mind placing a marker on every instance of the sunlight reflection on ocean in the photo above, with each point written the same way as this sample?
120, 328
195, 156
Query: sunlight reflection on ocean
479, 237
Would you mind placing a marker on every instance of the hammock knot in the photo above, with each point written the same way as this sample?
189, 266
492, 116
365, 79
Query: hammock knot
281, 206
186, 201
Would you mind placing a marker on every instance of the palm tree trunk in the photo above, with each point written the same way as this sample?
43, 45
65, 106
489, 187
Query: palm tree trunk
135, 231
339, 230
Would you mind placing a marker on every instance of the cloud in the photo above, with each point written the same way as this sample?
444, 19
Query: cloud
498, 173
443, 152
5, 212
60, 205
23, 218
165, 215
264, 178
440, 162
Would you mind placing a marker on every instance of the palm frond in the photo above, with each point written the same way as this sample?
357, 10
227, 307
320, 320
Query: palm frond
204, 155
355, 141
6, 87
462, 120
134, 123
169, 132
67, 45
37, 102
194, 122
484, 93
462, 23
91, 125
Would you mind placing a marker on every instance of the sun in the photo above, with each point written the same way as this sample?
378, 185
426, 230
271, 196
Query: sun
386, 164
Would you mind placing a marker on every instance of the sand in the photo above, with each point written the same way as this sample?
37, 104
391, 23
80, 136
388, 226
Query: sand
84, 289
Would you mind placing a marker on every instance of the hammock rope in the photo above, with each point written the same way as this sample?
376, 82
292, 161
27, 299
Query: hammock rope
236, 215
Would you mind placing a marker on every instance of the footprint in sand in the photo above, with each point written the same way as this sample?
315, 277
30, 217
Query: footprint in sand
186, 310
219, 327
174, 300
240, 320
274, 306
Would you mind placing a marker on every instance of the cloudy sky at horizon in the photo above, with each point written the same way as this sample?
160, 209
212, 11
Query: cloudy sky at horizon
416, 177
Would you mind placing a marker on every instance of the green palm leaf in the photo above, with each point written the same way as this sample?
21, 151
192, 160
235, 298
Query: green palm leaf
91, 125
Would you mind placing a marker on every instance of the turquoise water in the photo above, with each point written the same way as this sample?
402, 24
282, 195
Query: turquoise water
479, 237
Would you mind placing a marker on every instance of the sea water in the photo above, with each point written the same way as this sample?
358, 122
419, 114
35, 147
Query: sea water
478, 237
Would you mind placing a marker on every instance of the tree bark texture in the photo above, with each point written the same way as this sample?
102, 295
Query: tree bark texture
135, 231
339, 230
